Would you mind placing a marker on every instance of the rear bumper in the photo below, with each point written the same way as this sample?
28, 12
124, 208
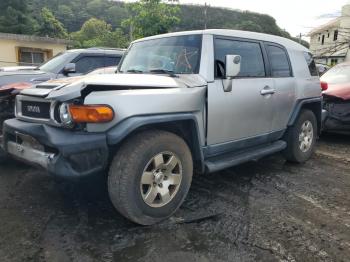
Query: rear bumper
61, 152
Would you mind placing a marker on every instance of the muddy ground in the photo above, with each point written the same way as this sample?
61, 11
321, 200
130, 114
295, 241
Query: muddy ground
262, 211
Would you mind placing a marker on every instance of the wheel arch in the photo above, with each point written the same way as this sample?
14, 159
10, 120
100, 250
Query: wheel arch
184, 125
312, 104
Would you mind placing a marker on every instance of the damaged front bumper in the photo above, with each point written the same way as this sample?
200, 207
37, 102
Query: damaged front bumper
61, 152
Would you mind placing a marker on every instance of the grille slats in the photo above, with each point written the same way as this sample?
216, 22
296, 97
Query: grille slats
36, 109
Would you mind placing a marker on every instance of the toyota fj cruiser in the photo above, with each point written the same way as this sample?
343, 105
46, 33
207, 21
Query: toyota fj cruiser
196, 101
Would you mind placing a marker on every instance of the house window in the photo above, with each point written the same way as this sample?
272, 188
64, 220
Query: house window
319, 38
328, 35
334, 61
335, 37
323, 39
31, 56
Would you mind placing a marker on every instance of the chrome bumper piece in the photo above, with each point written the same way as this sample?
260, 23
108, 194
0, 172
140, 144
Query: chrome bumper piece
29, 154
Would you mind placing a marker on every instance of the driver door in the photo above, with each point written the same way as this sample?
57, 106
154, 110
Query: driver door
242, 117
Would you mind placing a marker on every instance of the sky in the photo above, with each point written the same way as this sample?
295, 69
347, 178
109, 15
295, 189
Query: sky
295, 16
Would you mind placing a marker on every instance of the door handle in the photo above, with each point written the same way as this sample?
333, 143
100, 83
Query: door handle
267, 91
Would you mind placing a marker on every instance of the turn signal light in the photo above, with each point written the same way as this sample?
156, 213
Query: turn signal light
324, 86
91, 113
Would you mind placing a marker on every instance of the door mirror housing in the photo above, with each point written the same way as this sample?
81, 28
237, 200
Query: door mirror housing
233, 66
232, 69
69, 68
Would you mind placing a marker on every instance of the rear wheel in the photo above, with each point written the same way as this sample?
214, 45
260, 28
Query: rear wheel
150, 176
301, 138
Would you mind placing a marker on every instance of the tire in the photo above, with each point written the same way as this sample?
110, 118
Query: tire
296, 151
137, 173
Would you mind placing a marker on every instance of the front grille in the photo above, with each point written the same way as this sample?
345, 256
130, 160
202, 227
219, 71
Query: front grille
36, 109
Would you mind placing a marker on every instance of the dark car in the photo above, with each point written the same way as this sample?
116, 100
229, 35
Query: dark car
69, 63
336, 95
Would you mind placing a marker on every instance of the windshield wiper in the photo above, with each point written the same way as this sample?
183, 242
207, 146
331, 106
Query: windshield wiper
163, 71
134, 71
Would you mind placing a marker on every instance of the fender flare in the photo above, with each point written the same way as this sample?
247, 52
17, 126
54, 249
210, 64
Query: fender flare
300, 104
118, 133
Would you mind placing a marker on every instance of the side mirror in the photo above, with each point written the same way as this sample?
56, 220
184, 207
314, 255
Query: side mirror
69, 68
233, 65
232, 69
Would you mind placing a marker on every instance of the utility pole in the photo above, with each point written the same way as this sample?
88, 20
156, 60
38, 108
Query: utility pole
205, 15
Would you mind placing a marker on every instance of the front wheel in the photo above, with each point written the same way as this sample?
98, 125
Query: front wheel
301, 138
150, 176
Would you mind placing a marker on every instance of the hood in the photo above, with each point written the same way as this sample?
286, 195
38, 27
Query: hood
67, 89
24, 76
21, 72
16, 68
341, 91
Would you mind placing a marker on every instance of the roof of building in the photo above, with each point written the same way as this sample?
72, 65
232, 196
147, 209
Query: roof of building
32, 38
287, 43
331, 24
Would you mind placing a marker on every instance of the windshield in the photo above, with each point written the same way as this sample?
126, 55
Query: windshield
56, 64
178, 55
339, 74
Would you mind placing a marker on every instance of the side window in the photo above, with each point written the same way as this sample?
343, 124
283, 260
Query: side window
311, 64
88, 63
279, 61
112, 60
252, 64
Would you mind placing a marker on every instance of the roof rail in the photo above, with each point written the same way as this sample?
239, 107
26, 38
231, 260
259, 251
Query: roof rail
106, 48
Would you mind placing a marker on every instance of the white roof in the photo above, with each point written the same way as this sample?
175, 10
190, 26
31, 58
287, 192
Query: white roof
287, 43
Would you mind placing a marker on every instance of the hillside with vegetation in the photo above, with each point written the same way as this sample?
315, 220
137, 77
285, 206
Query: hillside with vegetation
115, 23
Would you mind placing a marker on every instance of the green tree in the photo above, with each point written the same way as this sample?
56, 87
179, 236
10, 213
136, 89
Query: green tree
95, 32
150, 17
14, 17
249, 26
66, 15
50, 26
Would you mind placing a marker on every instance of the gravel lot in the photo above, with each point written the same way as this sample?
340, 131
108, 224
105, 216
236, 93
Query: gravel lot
267, 211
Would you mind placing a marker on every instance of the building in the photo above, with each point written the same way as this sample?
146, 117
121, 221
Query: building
28, 50
329, 43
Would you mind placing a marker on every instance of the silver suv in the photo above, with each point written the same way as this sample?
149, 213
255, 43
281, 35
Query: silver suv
196, 101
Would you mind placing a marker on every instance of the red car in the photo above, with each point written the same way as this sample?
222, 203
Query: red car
336, 93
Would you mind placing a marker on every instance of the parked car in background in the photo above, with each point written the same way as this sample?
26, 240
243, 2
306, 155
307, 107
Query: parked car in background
200, 100
321, 68
70, 63
336, 94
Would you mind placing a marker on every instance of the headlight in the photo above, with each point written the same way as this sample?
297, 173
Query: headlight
65, 115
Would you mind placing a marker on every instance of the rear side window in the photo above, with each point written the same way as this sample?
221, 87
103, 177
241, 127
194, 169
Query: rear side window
279, 62
89, 63
311, 64
252, 63
112, 60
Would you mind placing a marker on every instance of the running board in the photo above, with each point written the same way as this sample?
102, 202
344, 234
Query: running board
228, 160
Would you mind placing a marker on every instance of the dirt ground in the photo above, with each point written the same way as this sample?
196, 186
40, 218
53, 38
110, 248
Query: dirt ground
262, 211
